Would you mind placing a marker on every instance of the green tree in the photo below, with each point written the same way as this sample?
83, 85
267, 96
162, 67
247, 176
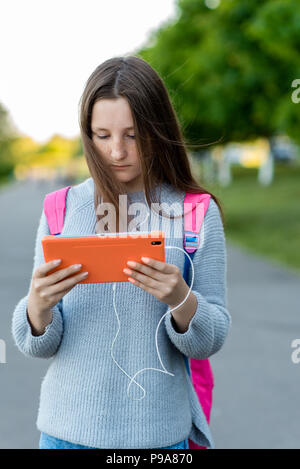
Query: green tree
229, 71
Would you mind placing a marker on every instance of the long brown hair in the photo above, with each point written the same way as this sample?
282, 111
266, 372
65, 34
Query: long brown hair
160, 142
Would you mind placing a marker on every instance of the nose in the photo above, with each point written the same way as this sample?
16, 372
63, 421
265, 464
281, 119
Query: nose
118, 151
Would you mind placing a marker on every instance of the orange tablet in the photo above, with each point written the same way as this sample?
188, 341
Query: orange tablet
105, 255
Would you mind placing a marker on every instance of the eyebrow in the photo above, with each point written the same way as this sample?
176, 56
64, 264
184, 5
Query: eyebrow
125, 128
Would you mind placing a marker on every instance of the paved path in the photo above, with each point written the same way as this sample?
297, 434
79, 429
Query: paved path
256, 402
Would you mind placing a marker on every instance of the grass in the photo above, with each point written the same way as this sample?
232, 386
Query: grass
264, 219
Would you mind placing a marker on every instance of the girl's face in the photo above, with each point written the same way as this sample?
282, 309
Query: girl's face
113, 135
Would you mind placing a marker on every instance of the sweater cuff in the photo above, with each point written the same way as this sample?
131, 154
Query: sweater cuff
196, 342
43, 346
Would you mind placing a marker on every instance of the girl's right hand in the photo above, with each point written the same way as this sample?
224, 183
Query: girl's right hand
47, 289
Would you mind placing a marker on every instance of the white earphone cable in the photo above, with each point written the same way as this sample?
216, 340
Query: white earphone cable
169, 310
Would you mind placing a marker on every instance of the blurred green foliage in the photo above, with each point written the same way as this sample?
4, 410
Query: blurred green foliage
20, 154
229, 71
8, 135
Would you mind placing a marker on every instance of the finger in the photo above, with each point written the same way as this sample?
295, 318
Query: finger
61, 294
63, 273
51, 279
43, 269
144, 279
141, 285
161, 266
149, 271
69, 283
64, 292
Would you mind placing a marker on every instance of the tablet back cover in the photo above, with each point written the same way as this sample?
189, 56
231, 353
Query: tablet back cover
104, 257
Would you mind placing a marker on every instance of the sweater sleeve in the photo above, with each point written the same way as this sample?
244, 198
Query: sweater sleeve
45, 345
211, 322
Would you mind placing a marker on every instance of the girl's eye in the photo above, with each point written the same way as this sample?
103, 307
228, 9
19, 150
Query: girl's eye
105, 136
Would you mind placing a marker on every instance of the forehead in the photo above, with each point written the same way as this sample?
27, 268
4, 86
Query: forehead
111, 114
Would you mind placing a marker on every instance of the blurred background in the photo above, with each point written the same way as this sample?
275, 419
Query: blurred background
232, 69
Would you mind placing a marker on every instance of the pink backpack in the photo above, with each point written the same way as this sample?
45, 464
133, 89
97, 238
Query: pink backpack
199, 370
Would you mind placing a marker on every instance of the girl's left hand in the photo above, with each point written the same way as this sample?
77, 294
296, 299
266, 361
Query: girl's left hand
162, 280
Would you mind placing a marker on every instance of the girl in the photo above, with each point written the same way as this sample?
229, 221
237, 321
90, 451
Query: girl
100, 335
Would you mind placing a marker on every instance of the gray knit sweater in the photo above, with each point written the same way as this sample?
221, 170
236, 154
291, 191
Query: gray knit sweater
84, 396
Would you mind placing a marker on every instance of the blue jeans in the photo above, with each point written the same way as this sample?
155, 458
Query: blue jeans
50, 442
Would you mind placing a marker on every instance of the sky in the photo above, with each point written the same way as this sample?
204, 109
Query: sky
49, 48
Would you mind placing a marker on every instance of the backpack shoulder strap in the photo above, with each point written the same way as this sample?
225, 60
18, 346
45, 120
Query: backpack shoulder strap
200, 371
195, 207
193, 220
54, 208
